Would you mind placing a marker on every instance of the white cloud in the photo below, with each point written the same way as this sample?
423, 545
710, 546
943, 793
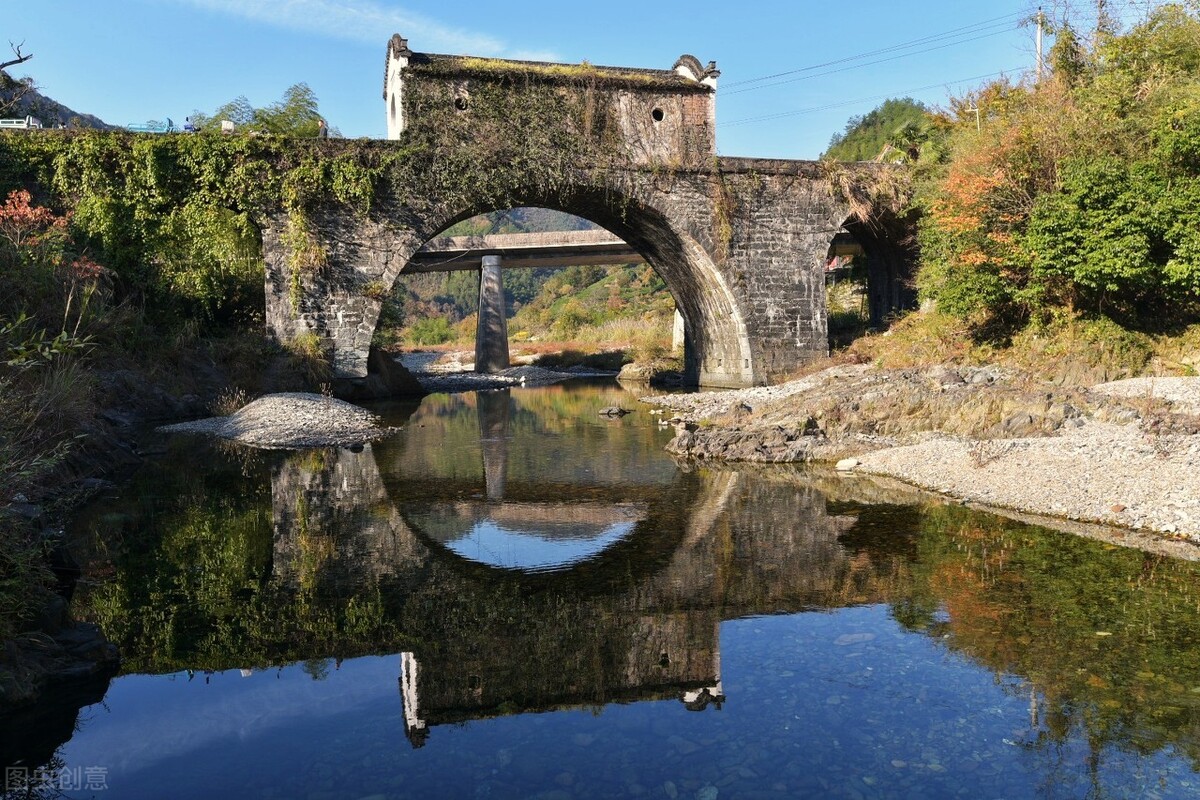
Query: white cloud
358, 20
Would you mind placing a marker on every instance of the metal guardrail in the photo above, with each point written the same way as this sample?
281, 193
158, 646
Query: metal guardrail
151, 127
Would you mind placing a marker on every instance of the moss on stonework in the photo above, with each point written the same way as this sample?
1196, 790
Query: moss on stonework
465, 159
504, 69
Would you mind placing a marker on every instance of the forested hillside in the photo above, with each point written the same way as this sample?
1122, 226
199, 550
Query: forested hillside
892, 127
20, 98
455, 295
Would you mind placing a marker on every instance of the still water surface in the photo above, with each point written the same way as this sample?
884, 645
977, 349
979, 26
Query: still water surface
515, 597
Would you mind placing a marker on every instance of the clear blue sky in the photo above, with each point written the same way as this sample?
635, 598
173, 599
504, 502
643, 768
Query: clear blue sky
135, 60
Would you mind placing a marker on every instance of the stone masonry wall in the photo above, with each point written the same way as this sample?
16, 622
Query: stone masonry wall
782, 220
741, 248
741, 243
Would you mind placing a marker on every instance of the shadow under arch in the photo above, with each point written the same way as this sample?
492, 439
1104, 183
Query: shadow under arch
890, 251
717, 348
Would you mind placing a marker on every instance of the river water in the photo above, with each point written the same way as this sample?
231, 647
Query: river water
515, 597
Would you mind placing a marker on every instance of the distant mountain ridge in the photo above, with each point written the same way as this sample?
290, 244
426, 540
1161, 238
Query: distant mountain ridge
51, 112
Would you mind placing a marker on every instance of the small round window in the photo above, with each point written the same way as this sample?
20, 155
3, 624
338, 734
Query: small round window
657, 114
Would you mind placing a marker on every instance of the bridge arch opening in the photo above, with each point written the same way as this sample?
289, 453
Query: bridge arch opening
715, 345
868, 277
565, 283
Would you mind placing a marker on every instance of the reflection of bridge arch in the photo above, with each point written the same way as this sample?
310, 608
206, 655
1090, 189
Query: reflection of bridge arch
542, 536
640, 620
658, 516
373, 527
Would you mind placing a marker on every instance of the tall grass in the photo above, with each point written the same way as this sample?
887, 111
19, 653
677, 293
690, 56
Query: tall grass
644, 338
24, 577
308, 357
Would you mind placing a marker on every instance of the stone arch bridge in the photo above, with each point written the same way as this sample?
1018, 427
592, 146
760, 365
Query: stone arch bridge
740, 242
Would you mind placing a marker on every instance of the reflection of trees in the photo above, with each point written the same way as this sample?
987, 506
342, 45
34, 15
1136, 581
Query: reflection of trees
1108, 637
311, 556
324, 564
1105, 639
189, 574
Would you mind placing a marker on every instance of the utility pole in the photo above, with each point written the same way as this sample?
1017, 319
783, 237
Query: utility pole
1041, 21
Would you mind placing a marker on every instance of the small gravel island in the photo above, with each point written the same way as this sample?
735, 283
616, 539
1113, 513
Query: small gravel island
291, 420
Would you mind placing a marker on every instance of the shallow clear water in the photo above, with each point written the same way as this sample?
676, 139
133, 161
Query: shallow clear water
515, 597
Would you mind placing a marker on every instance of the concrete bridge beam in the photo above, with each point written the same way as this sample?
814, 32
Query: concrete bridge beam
491, 330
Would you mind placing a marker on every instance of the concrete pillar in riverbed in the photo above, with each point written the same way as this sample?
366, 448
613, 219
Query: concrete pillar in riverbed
491, 332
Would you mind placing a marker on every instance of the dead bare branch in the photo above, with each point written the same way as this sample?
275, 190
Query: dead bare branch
21, 58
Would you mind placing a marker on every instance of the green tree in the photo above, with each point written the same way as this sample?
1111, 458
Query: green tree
1068, 60
897, 123
1078, 193
461, 290
296, 114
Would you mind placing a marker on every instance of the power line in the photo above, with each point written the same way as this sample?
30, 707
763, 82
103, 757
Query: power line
913, 43
952, 33
897, 93
865, 64
1126, 13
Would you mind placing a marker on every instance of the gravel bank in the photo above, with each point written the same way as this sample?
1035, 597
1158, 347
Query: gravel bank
1098, 472
1182, 393
706, 405
291, 420
1125, 453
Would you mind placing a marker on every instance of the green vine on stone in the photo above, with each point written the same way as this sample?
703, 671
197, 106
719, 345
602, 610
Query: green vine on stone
306, 255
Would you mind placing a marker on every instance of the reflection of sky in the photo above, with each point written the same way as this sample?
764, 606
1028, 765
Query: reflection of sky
163, 730
814, 700
228, 709
490, 543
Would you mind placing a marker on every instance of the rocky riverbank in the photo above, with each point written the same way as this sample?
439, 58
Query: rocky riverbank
54, 651
1124, 453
